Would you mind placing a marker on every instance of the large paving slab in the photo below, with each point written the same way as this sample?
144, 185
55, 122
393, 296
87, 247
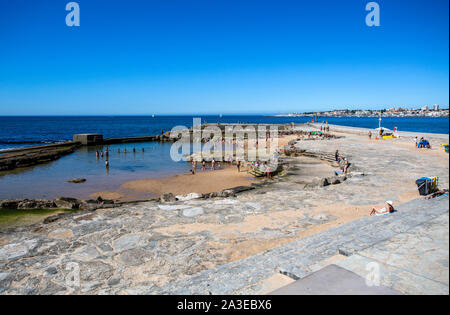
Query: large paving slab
333, 280
414, 262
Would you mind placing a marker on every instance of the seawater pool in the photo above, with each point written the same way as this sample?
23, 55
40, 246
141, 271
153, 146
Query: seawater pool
50, 180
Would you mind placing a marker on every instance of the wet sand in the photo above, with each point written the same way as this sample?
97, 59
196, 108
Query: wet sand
202, 182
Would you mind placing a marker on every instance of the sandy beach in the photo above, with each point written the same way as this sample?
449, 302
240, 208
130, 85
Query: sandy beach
202, 182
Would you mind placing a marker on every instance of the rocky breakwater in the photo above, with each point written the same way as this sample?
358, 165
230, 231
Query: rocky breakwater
32, 156
64, 203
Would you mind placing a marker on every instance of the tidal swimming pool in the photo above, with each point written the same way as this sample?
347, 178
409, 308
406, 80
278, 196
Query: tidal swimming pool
141, 160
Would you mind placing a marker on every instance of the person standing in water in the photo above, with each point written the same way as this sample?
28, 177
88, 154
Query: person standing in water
238, 165
203, 165
213, 165
194, 167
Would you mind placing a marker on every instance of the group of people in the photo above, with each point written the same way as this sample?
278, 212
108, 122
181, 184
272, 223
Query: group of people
105, 154
214, 166
262, 166
325, 128
422, 143
341, 160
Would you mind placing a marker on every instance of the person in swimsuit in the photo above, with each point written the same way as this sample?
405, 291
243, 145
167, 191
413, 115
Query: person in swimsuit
194, 167
389, 208
268, 171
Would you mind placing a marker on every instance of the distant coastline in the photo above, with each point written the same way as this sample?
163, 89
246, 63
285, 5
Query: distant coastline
19, 132
392, 112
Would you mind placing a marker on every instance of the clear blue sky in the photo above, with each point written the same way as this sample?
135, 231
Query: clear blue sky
220, 56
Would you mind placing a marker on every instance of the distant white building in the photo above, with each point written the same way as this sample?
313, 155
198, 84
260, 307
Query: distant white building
436, 107
424, 108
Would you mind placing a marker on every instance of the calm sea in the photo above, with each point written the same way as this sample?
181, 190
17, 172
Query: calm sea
31, 131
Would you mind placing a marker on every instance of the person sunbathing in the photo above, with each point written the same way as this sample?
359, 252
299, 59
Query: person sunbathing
437, 194
389, 208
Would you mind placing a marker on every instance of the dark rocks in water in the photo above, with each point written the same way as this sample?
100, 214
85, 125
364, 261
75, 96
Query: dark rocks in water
89, 205
169, 197
67, 203
77, 180
57, 203
26, 204
36, 204
10, 203
77, 204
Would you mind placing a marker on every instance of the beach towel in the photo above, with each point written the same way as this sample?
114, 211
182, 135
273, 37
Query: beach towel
380, 214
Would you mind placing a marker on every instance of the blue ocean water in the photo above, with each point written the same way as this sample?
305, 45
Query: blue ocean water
31, 131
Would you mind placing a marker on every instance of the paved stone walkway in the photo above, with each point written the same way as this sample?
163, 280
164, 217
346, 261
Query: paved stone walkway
361, 240
414, 262
231, 245
333, 280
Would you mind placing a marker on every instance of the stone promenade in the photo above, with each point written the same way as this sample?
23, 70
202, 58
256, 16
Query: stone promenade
410, 247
